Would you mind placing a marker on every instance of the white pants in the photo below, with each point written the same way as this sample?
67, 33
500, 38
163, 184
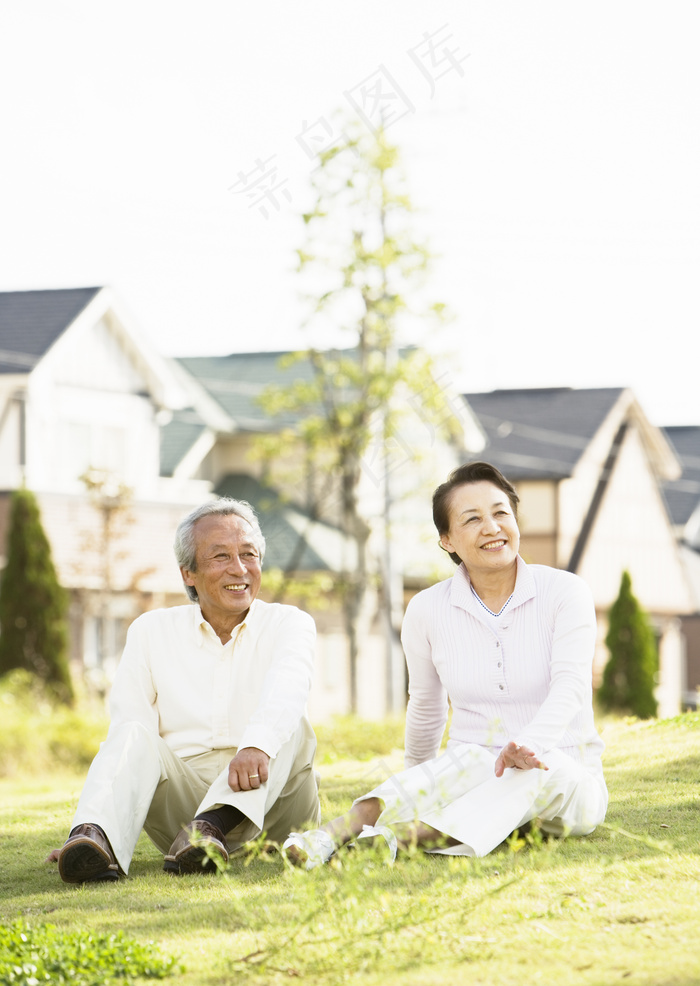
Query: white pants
459, 794
136, 782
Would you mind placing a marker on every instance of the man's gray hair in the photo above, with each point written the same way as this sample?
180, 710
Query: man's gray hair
186, 541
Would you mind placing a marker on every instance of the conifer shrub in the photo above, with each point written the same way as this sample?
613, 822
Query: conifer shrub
630, 674
33, 606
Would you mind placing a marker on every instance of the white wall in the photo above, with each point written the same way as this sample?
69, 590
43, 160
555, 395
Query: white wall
88, 406
576, 492
537, 511
633, 532
10, 469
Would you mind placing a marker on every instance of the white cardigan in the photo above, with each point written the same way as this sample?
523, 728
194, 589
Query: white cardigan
524, 676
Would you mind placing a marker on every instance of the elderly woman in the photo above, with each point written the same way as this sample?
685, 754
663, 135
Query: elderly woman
510, 645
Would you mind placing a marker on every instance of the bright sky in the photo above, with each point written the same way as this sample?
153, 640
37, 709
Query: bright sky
552, 148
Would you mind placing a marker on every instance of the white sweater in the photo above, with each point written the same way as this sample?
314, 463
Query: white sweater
524, 676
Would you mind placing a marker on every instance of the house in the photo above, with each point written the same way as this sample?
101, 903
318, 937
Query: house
218, 440
591, 471
683, 501
119, 443
82, 395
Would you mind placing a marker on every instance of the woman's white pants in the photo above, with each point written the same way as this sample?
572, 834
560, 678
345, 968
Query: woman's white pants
459, 794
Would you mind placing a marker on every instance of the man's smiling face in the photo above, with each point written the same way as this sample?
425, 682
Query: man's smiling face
228, 569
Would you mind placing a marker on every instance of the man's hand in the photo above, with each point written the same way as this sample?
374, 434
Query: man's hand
519, 757
248, 769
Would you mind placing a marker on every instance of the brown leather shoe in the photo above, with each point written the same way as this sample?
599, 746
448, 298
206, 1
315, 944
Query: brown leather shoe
87, 855
184, 857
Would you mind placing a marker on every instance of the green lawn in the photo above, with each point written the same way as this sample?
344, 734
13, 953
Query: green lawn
622, 905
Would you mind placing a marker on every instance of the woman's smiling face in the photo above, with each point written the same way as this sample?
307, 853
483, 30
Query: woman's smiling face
483, 529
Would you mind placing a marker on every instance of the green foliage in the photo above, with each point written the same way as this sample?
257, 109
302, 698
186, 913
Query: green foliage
33, 606
37, 736
31, 956
314, 589
629, 676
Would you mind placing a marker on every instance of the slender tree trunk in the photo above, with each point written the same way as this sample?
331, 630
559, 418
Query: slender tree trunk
356, 587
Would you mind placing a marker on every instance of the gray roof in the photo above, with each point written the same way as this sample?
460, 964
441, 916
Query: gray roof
540, 433
683, 495
286, 548
177, 438
237, 381
31, 321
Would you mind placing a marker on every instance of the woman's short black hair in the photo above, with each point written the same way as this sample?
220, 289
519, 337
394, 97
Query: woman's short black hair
470, 472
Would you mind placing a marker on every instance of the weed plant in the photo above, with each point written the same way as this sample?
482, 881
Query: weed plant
30, 956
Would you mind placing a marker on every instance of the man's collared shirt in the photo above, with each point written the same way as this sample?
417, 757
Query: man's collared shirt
177, 678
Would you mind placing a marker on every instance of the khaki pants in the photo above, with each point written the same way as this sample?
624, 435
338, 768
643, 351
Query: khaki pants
137, 782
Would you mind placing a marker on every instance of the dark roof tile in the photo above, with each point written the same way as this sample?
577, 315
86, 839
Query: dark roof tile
540, 433
31, 321
237, 381
683, 495
286, 548
177, 438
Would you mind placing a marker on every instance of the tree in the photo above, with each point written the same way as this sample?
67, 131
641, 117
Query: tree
111, 499
33, 606
629, 676
364, 263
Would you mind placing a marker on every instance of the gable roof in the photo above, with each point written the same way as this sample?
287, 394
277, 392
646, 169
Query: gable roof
237, 381
177, 437
295, 541
683, 495
234, 384
224, 392
541, 433
31, 321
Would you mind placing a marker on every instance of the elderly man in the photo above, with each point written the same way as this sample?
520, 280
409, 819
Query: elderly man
209, 743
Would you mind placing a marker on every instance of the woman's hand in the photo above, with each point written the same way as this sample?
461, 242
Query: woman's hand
519, 757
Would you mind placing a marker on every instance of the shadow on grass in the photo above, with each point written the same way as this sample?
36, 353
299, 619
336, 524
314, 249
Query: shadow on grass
250, 885
645, 819
685, 769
